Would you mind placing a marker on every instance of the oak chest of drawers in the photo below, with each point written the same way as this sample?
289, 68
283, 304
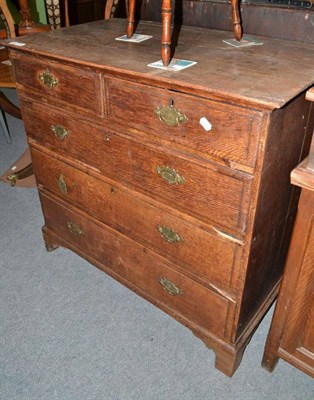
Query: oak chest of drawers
193, 216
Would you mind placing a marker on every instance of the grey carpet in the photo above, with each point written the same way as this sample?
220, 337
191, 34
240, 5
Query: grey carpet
70, 332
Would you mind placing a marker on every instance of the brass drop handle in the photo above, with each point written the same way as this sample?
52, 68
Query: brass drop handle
170, 287
170, 175
48, 79
60, 131
62, 184
75, 229
169, 234
170, 115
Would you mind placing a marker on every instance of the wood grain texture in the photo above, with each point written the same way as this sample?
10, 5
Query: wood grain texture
106, 164
245, 81
233, 134
124, 211
277, 201
208, 193
131, 261
83, 93
291, 335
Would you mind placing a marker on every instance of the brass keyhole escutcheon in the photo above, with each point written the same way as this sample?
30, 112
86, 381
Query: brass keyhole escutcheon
170, 287
170, 115
170, 175
48, 80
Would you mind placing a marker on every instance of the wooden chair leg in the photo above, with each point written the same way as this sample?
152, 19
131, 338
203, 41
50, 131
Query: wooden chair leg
166, 13
21, 174
26, 19
236, 19
4, 127
131, 21
7, 106
108, 8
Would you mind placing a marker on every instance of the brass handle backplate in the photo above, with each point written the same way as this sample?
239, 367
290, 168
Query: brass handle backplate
60, 131
169, 234
48, 79
170, 115
62, 184
75, 229
170, 175
170, 287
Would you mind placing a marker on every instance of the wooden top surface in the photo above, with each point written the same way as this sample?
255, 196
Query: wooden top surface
265, 76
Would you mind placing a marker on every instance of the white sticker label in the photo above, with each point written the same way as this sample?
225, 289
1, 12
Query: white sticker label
205, 124
18, 44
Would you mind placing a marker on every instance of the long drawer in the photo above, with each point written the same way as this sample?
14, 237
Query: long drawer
214, 195
61, 84
203, 126
138, 265
199, 252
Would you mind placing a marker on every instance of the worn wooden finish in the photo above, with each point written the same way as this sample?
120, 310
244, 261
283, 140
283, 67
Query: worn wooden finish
232, 135
207, 214
121, 210
132, 262
243, 83
83, 93
291, 335
212, 193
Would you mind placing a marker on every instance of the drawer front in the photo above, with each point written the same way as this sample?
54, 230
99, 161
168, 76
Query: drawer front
205, 193
198, 252
141, 267
61, 84
228, 132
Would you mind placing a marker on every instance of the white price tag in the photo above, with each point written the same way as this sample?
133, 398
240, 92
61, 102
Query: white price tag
20, 44
205, 124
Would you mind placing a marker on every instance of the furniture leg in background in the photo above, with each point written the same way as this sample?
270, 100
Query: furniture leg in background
166, 15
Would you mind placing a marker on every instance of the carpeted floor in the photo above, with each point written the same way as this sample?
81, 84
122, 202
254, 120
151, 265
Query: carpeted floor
70, 332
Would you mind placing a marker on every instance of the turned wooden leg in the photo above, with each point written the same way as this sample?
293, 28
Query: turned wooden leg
26, 19
236, 20
166, 13
131, 22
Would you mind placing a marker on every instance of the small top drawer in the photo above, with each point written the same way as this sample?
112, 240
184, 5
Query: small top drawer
60, 83
211, 128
